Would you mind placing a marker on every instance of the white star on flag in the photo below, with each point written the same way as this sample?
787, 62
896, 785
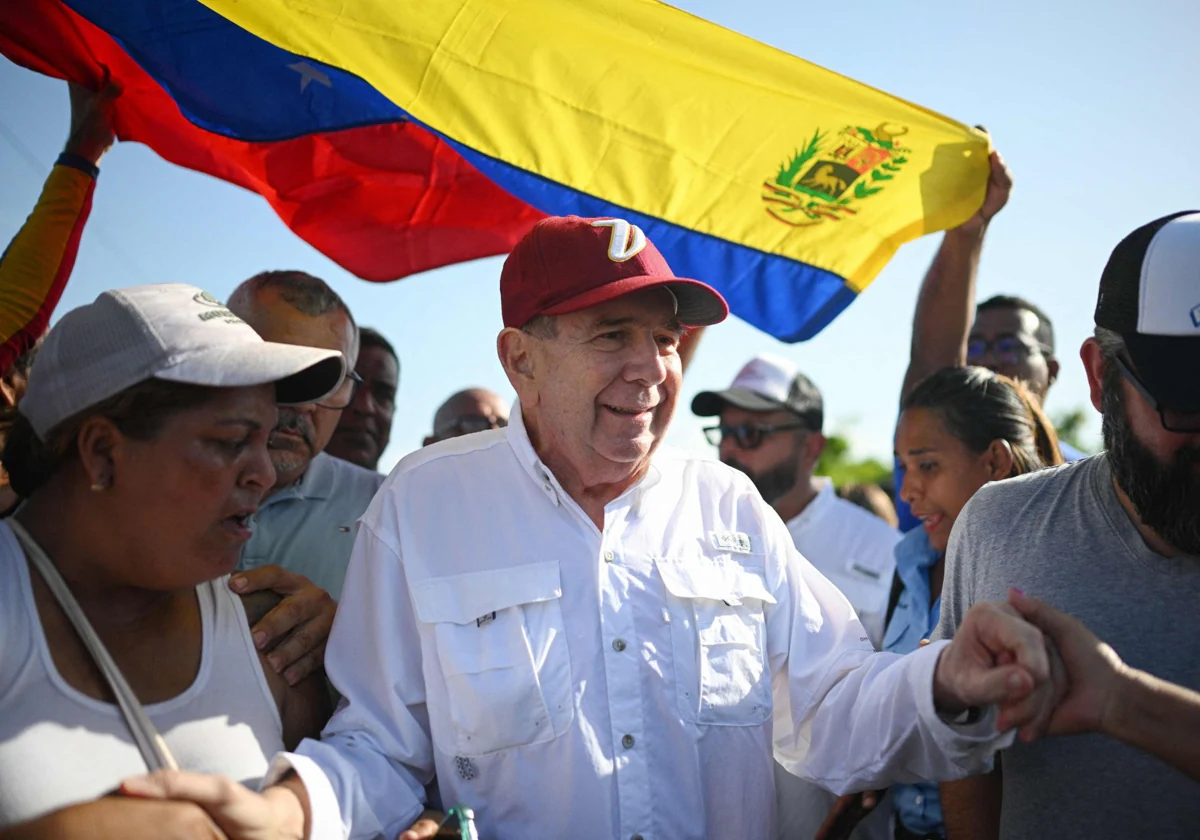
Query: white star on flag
308, 74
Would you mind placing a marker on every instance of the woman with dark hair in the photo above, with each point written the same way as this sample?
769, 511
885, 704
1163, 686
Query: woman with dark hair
140, 449
959, 429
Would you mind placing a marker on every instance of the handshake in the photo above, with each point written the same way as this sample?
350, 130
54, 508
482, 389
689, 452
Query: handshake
1046, 673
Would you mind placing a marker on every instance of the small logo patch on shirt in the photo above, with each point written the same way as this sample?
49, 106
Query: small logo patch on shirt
863, 570
734, 541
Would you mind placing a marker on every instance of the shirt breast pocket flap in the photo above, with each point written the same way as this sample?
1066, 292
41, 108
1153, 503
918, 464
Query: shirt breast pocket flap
501, 646
719, 639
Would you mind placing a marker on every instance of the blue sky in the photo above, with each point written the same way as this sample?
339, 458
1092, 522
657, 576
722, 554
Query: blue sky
1093, 105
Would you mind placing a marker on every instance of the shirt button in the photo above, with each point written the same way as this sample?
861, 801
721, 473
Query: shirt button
618, 645
609, 556
627, 742
918, 799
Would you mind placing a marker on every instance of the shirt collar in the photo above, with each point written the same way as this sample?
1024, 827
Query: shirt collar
914, 550
817, 507
315, 484
522, 446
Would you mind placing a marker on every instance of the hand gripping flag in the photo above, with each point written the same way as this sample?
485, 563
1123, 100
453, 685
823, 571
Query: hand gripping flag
784, 185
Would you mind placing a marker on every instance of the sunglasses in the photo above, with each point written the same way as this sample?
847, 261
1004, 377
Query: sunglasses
748, 435
1005, 349
344, 395
471, 423
1172, 420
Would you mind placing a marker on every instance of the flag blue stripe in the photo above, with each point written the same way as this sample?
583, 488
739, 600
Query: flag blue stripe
231, 82
788, 299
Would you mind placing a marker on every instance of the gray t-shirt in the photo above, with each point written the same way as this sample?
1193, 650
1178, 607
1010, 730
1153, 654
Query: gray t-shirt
1061, 535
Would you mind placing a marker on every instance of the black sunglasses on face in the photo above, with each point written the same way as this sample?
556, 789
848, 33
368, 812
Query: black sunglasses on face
344, 395
748, 435
1172, 420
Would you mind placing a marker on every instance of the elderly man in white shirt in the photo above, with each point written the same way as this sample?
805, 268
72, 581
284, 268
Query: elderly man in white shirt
616, 639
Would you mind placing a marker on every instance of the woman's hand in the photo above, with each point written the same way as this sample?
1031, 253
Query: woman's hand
238, 812
121, 818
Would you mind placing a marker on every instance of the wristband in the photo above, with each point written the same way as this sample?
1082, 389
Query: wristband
78, 162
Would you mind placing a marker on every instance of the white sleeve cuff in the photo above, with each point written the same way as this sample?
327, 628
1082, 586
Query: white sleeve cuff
967, 744
324, 814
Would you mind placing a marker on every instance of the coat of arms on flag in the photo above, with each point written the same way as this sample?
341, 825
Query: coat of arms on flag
822, 181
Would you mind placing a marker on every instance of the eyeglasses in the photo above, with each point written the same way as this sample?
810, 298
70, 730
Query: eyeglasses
1005, 349
1172, 420
471, 423
748, 435
344, 395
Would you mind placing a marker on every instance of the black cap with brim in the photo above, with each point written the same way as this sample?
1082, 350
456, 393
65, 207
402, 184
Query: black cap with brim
712, 403
1169, 367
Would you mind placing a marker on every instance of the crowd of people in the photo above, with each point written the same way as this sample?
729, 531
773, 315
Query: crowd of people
219, 619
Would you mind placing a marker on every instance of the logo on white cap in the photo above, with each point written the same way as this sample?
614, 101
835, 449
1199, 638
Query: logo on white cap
771, 376
625, 242
1168, 280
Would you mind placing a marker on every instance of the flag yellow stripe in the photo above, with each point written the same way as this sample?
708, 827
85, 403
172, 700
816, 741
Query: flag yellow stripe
646, 106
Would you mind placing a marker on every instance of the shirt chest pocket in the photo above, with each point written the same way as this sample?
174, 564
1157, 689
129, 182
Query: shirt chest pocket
718, 640
502, 652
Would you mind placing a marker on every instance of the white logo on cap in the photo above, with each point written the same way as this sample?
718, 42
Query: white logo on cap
626, 242
1196, 315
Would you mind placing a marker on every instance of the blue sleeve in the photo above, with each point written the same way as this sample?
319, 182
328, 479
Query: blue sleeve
903, 513
1069, 452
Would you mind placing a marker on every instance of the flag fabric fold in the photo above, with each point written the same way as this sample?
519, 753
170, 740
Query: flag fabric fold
449, 128
380, 196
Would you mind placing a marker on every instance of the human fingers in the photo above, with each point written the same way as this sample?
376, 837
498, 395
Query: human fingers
1006, 633
300, 625
836, 811
421, 829
272, 576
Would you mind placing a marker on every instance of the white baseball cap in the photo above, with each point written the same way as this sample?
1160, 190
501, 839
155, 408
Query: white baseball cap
169, 331
766, 383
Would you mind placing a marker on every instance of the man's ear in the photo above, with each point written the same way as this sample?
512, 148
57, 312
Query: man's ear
1093, 366
97, 441
814, 445
1053, 367
999, 460
515, 350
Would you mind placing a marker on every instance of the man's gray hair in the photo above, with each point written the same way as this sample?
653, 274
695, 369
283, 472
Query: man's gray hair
1111, 343
309, 295
542, 326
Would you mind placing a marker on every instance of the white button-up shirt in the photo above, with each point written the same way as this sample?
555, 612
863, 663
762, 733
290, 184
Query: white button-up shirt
853, 548
564, 680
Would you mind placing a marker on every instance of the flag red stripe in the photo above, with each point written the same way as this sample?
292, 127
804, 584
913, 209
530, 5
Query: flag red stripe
383, 201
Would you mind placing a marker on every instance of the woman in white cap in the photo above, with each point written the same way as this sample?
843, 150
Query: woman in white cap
141, 452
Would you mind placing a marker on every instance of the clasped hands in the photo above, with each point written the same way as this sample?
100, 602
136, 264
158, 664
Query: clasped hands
1000, 657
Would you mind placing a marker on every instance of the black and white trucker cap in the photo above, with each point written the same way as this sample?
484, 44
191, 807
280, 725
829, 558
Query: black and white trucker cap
1150, 294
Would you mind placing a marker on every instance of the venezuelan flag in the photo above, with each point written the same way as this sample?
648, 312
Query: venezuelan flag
786, 186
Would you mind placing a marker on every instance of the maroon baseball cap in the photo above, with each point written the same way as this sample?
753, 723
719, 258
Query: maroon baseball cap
568, 263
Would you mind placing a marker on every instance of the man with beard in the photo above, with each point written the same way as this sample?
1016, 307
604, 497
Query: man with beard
770, 429
304, 530
1113, 540
366, 425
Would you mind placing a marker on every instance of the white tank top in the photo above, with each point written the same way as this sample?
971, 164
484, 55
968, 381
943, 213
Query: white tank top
59, 747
